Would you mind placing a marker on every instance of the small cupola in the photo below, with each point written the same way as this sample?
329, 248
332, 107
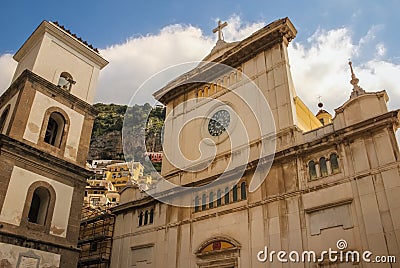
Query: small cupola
323, 116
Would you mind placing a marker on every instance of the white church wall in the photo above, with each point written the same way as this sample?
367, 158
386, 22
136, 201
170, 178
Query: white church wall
56, 57
268, 71
28, 61
381, 141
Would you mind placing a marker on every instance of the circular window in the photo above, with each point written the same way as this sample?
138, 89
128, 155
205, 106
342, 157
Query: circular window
219, 122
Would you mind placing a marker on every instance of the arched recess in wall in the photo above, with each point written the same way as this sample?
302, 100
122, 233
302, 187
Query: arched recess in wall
3, 117
55, 128
243, 191
333, 159
65, 81
312, 171
39, 206
323, 167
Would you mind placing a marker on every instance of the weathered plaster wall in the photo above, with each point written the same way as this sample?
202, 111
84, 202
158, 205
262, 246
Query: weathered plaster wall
36, 117
17, 189
14, 256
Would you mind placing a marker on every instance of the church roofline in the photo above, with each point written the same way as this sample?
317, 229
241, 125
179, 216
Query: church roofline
381, 94
64, 35
220, 47
322, 111
273, 33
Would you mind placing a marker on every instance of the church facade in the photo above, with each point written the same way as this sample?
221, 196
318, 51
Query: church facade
333, 183
45, 125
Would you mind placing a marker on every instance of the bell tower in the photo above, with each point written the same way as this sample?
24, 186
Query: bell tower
62, 58
55, 110
46, 119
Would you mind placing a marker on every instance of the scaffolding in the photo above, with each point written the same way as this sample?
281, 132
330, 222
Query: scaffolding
95, 237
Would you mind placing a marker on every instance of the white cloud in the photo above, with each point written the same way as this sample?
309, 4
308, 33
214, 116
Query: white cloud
134, 61
371, 35
238, 30
322, 68
7, 68
380, 49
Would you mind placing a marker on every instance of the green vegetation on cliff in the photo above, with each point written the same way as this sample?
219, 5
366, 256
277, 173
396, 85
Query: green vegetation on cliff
143, 124
110, 118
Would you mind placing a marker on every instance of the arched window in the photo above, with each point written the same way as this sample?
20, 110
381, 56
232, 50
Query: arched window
213, 89
66, 81
211, 200
141, 218
219, 198
39, 206
146, 217
226, 195
239, 74
232, 78
235, 193
219, 85
151, 216
334, 163
243, 192
93, 246
3, 118
206, 91
226, 81
203, 202
55, 129
196, 204
312, 170
323, 167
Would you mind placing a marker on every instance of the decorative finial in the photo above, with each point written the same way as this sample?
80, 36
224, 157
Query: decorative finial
354, 80
357, 90
320, 104
219, 30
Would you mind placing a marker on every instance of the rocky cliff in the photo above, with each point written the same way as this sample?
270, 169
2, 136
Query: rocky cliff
143, 125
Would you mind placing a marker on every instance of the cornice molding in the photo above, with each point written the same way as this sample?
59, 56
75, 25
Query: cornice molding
62, 35
43, 161
45, 86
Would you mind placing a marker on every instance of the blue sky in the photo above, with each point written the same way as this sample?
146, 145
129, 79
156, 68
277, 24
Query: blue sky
140, 38
104, 23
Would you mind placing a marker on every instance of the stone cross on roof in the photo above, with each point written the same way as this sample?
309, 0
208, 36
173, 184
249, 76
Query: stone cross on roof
219, 29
